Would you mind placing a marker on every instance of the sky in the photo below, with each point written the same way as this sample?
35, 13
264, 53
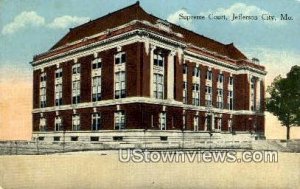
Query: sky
33, 26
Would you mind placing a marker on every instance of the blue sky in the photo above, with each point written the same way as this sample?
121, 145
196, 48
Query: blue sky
33, 26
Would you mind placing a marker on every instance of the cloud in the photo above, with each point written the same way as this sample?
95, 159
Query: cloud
67, 21
276, 61
23, 20
31, 18
174, 18
246, 10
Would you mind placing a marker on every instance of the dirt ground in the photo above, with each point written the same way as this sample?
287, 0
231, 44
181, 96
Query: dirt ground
104, 170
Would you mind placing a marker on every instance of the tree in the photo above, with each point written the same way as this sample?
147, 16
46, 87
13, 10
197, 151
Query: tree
284, 100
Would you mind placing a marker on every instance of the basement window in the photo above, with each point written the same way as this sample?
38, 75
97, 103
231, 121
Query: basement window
118, 138
163, 138
41, 138
56, 138
74, 138
93, 138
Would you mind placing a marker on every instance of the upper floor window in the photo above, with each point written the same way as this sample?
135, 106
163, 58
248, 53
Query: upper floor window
119, 120
96, 121
185, 92
209, 75
230, 80
158, 86
230, 100
120, 84
76, 69
43, 77
158, 60
96, 88
220, 78
76, 91
185, 69
96, 63
43, 96
252, 82
58, 73
196, 72
196, 94
120, 58
208, 96
220, 98
58, 94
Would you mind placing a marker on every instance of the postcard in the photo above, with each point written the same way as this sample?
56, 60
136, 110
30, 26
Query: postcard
149, 94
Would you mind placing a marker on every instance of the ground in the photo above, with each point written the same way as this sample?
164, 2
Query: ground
102, 169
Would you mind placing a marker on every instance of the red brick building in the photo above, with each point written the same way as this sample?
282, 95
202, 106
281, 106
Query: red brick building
130, 70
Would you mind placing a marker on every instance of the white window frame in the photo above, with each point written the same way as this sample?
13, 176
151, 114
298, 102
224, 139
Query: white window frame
220, 101
76, 122
208, 96
120, 120
96, 121
120, 84
158, 86
58, 124
96, 88
163, 121
196, 94
43, 124
196, 123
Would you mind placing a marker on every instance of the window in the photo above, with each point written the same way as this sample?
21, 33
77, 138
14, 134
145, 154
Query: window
58, 73
94, 139
43, 77
58, 94
96, 121
120, 85
162, 121
74, 138
185, 92
220, 98
56, 138
229, 125
220, 78
43, 90
158, 60
219, 123
76, 69
96, 82
185, 69
43, 96
117, 138
119, 120
42, 125
158, 86
230, 100
196, 72
252, 96
196, 95
196, 123
75, 123
120, 58
96, 64
209, 75
164, 138
76, 84
208, 96
76, 91
58, 123
183, 121
230, 81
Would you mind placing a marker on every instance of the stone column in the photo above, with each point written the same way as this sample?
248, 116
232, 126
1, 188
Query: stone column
152, 48
170, 84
